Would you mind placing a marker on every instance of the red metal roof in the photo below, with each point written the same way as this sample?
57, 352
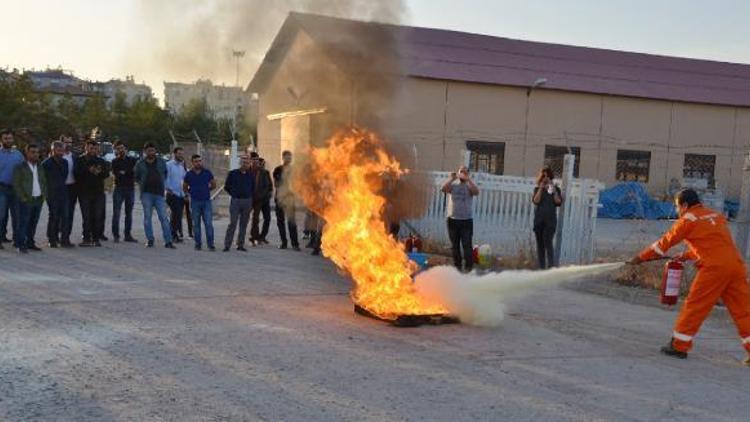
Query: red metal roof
459, 56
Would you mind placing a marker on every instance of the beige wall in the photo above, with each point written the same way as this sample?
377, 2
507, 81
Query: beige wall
436, 118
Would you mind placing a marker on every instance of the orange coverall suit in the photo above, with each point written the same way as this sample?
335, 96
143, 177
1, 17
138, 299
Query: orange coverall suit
721, 273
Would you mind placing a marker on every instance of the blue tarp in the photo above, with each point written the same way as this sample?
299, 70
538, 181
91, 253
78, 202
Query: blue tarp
630, 200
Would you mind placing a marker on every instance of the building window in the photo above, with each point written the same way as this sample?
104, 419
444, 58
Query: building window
633, 166
699, 167
486, 157
554, 157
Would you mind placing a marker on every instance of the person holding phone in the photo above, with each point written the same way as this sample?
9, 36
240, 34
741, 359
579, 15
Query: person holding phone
547, 197
461, 191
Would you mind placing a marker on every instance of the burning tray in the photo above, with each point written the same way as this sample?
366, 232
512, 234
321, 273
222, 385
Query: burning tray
410, 320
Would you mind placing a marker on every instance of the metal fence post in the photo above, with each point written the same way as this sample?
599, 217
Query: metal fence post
743, 216
567, 183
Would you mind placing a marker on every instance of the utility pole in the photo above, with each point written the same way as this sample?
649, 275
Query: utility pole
238, 54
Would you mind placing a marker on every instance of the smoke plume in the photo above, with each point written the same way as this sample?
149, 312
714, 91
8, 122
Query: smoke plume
184, 40
481, 299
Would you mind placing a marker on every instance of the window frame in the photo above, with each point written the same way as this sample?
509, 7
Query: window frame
488, 149
550, 158
633, 169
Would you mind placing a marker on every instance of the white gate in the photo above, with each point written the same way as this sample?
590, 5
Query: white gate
504, 214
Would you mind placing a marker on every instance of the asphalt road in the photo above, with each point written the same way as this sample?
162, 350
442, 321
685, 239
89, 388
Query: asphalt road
128, 333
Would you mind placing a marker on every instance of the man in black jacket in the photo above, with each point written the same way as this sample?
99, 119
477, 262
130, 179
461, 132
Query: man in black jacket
56, 172
285, 201
90, 173
261, 201
124, 191
239, 185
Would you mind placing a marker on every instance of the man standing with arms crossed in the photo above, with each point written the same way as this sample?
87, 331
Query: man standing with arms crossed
123, 168
9, 159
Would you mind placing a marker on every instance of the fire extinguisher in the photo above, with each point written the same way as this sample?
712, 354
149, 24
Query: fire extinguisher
670, 285
413, 244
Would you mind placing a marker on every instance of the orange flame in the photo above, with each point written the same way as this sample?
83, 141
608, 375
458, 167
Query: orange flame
343, 184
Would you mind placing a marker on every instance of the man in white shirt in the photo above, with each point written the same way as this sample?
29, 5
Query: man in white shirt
70, 184
176, 170
29, 184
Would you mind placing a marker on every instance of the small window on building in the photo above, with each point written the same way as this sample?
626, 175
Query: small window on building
486, 157
554, 157
699, 168
633, 166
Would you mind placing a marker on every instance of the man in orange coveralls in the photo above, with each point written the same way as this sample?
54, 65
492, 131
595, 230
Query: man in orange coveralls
721, 272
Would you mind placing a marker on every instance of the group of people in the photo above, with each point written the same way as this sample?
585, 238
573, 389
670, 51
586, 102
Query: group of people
172, 189
461, 190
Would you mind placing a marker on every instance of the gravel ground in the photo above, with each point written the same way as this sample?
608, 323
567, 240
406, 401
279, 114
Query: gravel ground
126, 333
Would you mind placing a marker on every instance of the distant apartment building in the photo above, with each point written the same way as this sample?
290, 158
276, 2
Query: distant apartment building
59, 83
225, 102
127, 87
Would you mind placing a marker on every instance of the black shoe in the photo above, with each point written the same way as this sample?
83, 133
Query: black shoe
296, 248
669, 350
150, 244
34, 248
263, 241
315, 252
211, 249
177, 240
97, 244
198, 247
67, 245
22, 251
103, 238
282, 246
131, 239
241, 249
226, 249
170, 245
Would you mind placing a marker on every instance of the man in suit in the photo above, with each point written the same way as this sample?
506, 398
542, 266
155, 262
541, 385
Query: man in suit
29, 185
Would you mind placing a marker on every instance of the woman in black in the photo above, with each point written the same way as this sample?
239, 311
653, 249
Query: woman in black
547, 198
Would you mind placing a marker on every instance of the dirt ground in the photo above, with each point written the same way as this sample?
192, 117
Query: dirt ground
127, 333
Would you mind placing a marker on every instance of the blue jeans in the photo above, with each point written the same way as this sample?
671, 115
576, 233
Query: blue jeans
150, 202
202, 211
120, 196
29, 213
8, 207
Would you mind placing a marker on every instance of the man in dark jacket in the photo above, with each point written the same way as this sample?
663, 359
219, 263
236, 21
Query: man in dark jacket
150, 174
29, 186
56, 172
261, 201
90, 173
285, 201
123, 168
239, 185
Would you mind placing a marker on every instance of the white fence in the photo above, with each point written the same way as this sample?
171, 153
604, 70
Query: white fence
504, 215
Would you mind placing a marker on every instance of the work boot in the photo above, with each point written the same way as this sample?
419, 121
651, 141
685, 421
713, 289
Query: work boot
669, 350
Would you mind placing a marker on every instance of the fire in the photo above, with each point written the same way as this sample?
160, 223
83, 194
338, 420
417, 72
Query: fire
343, 183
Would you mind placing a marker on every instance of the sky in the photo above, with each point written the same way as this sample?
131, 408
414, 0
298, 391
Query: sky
95, 39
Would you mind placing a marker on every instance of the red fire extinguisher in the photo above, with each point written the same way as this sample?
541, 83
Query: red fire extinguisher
670, 285
413, 244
